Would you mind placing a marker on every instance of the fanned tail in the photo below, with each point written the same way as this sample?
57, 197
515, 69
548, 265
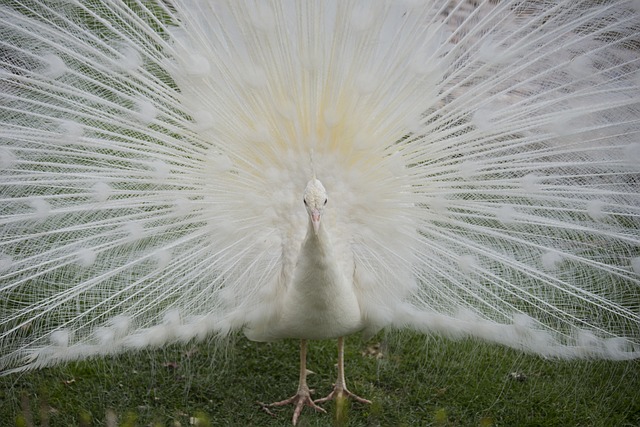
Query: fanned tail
482, 165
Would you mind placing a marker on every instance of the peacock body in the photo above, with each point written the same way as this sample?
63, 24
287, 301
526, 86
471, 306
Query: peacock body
480, 162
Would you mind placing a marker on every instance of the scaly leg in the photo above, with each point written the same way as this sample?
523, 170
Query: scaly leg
340, 388
303, 397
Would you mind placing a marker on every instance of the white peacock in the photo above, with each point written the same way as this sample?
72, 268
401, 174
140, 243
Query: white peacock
471, 169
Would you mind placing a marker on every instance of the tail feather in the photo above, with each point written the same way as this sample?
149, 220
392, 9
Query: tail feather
152, 158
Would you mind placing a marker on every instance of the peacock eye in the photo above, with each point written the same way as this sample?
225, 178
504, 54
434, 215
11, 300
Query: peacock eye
325, 201
305, 201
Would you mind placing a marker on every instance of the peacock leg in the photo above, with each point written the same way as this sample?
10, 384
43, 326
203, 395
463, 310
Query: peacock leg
303, 396
340, 388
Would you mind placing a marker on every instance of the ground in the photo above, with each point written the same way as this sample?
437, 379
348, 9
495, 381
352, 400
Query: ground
412, 380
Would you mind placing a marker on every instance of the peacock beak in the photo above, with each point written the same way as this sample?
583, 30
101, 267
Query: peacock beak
315, 220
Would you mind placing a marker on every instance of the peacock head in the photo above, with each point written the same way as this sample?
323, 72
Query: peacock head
315, 199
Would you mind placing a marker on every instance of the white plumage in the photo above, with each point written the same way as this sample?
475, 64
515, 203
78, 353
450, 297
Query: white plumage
480, 160
319, 299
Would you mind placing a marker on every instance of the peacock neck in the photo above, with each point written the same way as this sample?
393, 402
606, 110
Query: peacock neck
317, 245
321, 302
317, 268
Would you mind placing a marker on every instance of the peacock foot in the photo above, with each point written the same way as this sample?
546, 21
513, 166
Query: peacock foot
301, 399
341, 392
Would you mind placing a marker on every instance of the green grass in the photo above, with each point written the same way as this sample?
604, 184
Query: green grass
411, 380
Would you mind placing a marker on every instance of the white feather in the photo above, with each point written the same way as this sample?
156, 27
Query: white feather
481, 164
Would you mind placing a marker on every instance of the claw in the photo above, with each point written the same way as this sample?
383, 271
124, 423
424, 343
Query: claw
341, 392
300, 400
